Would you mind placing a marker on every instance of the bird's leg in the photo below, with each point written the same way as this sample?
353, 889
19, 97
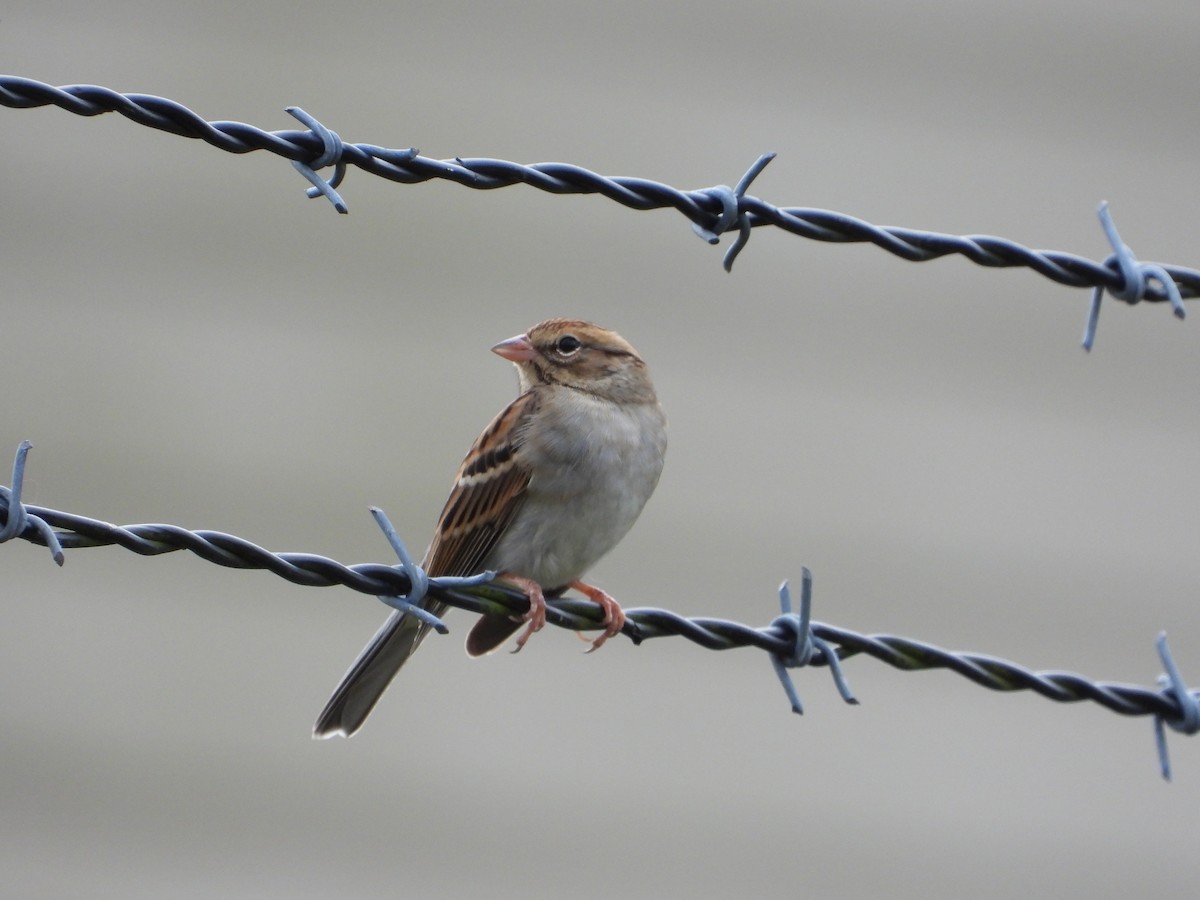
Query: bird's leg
614, 616
536, 617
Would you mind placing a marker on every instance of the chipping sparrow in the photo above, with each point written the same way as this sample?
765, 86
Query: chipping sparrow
550, 486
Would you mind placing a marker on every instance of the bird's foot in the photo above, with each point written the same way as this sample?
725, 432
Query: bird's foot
536, 617
614, 616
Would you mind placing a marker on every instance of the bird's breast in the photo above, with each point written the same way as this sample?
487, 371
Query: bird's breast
594, 465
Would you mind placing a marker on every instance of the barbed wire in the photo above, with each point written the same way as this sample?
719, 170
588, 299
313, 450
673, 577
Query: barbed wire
713, 211
791, 639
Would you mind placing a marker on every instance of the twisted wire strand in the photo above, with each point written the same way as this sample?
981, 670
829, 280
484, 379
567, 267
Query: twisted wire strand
643, 623
712, 211
708, 208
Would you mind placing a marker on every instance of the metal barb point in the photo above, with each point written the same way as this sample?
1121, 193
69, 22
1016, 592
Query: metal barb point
384, 153
418, 581
806, 646
1174, 689
731, 211
17, 518
331, 155
16, 510
1093, 318
1136, 277
418, 612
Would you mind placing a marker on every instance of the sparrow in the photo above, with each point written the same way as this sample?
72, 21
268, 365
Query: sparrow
549, 487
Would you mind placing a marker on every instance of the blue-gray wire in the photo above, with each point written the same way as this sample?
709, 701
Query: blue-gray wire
779, 639
713, 210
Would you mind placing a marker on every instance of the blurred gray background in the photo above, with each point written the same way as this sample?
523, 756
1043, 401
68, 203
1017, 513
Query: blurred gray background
189, 340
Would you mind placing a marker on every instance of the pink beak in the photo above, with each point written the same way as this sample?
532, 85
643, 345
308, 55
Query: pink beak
516, 349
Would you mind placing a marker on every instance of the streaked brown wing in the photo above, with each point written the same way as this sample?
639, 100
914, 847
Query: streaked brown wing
487, 493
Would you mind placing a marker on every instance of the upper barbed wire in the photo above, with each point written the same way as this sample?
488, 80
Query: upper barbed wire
707, 208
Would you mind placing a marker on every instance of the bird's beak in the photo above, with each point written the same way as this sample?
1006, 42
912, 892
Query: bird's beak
516, 349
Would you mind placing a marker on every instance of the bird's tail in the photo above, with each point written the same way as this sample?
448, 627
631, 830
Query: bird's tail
371, 673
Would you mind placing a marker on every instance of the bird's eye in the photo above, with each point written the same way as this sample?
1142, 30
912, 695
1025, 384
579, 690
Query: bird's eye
567, 344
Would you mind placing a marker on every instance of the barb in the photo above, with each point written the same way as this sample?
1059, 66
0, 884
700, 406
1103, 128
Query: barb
18, 522
331, 155
732, 212
1187, 720
789, 639
419, 581
806, 647
1135, 279
713, 210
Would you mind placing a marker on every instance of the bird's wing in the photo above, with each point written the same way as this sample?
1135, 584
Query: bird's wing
488, 491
